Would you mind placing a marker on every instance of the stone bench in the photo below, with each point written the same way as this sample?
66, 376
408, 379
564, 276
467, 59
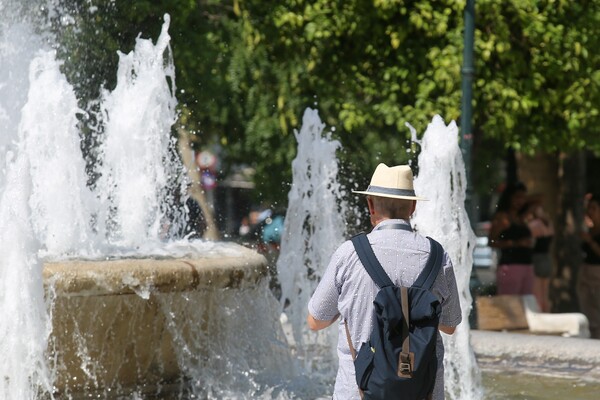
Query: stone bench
522, 313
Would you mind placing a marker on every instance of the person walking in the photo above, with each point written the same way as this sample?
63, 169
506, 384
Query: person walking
346, 292
509, 233
588, 281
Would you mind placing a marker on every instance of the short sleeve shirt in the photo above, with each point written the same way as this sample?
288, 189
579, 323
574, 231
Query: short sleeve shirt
348, 290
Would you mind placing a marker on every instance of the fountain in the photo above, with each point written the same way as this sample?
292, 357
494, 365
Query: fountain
64, 221
441, 180
317, 214
100, 297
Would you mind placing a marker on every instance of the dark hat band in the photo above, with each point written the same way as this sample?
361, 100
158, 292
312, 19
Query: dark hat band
395, 192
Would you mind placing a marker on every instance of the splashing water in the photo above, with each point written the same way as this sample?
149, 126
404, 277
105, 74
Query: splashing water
245, 357
133, 205
46, 209
61, 203
441, 180
138, 160
314, 228
18, 45
24, 326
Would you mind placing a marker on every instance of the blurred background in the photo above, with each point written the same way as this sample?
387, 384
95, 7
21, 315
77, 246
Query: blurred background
247, 69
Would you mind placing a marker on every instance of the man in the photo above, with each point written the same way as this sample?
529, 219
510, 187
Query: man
347, 290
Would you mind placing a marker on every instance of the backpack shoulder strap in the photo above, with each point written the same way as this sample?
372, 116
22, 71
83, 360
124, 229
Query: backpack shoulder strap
369, 261
432, 268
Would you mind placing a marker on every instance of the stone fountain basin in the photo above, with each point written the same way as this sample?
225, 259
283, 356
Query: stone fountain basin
113, 321
549, 355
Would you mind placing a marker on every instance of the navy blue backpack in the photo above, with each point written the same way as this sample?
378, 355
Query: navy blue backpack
399, 361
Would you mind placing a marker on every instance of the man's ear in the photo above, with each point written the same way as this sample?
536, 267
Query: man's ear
372, 211
413, 207
370, 204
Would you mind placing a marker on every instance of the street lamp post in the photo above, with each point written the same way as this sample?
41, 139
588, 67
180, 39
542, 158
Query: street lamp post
467, 73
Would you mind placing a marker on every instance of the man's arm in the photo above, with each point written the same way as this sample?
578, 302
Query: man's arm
451, 311
324, 301
316, 325
448, 330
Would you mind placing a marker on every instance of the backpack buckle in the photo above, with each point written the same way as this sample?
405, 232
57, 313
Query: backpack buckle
405, 365
404, 368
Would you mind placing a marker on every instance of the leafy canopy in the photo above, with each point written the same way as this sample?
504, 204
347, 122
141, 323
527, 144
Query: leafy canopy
247, 69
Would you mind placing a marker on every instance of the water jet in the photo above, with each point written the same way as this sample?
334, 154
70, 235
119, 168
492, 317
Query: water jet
100, 296
95, 299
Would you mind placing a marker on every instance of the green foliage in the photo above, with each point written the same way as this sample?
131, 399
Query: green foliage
368, 67
247, 70
537, 84
201, 37
200, 43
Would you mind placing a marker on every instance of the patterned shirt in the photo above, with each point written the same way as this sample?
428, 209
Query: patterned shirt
347, 289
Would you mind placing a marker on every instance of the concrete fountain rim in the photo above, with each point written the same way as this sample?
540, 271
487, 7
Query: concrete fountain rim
537, 354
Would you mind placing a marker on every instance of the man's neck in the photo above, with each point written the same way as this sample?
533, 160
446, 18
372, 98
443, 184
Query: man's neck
377, 221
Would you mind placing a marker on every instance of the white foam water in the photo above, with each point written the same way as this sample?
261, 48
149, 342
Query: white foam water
24, 323
314, 227
441, 179
47, 211
133, 204
138, 160
60, 200
18, 46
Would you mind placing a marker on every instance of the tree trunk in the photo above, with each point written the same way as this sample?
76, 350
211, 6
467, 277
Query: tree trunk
211, 232
540, 174
512, 175
568, 225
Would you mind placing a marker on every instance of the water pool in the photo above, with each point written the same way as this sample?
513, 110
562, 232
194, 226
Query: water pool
518, 386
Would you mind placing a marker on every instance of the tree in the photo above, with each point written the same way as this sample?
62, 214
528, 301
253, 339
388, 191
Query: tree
538, 82
371, 67
537, 91
247, 69
368, 67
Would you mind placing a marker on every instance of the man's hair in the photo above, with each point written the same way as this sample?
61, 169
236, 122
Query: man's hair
392, 208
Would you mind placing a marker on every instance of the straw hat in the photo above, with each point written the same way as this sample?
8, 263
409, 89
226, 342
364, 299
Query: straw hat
394, 182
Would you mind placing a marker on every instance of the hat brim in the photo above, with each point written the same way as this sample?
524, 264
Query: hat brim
391, 196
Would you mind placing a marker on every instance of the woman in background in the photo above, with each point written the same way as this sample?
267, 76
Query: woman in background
509, 233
